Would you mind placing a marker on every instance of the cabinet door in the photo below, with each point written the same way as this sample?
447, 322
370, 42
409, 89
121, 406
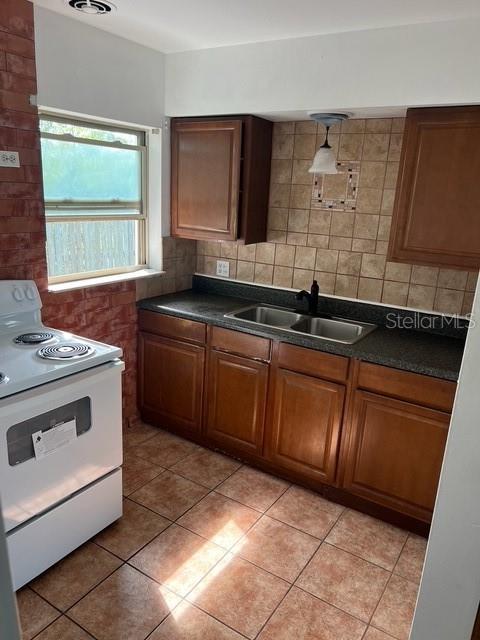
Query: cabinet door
305, 425
171, 382
435, 217
205, 179
237, 394
395, 453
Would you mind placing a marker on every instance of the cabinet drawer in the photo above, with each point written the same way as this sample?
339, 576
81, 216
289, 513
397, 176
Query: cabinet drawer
314, 363
241, 343
172, 327
421, 389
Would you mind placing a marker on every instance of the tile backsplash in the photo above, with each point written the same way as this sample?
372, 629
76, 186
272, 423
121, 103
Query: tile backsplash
336, 228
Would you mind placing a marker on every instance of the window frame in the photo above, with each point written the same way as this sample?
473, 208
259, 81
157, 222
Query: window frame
142, 217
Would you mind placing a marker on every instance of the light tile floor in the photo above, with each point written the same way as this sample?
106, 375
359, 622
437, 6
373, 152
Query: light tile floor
210, 549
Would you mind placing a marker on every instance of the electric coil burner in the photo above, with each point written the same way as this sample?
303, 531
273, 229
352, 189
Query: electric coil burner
34, 338
66, 351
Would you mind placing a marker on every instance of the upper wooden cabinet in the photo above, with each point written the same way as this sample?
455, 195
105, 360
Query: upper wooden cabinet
220, 178
435, 220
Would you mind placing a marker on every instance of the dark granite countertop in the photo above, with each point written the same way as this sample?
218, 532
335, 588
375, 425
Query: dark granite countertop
417, 351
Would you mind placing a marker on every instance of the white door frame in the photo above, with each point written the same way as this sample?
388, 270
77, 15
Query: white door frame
450, 588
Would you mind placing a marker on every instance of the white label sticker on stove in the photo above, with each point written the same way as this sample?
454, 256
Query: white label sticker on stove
46, 442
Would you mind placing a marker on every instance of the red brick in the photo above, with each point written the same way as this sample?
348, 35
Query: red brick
14, 272
56, 298
18, 120
12, 174
127, 297
106, 289
28, 156
12, 207
17, 44
14, 241
20, 190
20, 66
11, 82
22, 257
16, 16
28, 139
32, 173
16, 101
21, 224
8, 137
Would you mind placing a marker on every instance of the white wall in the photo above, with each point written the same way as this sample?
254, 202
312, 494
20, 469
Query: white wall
82, 69
450, 588
412, 65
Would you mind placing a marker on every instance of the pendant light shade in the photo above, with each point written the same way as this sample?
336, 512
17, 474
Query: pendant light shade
324, 161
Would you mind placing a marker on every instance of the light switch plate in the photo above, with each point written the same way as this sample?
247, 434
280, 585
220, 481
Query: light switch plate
223, 268
9, 159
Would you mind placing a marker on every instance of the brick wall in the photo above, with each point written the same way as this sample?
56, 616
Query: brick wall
104, 313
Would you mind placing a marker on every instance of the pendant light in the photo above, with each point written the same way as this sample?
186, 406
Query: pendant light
324, 161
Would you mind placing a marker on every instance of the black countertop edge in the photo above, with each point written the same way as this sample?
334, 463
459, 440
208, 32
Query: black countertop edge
381, 315
434, 355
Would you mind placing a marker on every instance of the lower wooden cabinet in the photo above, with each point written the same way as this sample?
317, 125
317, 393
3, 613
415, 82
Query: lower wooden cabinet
171, 382
395, 453
382, 453
305, 424
236, 401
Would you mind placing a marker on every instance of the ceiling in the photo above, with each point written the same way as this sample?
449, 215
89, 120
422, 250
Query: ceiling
181, 25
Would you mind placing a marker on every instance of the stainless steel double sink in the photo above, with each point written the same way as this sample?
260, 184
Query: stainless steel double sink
334, 329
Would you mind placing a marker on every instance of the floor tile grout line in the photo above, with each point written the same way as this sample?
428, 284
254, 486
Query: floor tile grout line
90, 541
337, 606
59, 618
68, 615
286, 594
127, 495
163, 584
92, 588
388, 581
355, 555
196, 606
220, 482
52, 621
141, 548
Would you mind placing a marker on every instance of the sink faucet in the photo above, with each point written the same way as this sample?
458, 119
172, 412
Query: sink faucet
312, 297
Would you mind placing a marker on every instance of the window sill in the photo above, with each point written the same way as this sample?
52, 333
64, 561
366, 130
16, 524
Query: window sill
101, 280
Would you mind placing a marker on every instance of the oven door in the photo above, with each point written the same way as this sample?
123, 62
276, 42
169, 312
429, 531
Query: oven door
58, 438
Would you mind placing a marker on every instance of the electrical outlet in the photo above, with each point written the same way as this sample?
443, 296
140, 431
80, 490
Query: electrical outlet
223, 268
9, 159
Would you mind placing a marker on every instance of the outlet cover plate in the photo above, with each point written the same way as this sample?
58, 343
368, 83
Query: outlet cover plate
9, 159
223, 268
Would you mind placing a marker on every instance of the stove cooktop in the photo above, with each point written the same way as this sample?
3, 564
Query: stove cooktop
32, 354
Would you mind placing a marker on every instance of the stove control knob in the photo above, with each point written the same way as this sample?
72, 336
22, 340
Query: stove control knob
18, 294
30, 293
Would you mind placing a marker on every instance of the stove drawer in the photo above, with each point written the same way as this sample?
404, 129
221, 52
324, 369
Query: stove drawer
50, 537
89, 403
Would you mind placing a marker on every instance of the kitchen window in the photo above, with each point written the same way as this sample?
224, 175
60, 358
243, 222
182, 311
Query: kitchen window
94, 180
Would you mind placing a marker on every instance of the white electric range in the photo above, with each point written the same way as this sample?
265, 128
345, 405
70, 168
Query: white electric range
60, 434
